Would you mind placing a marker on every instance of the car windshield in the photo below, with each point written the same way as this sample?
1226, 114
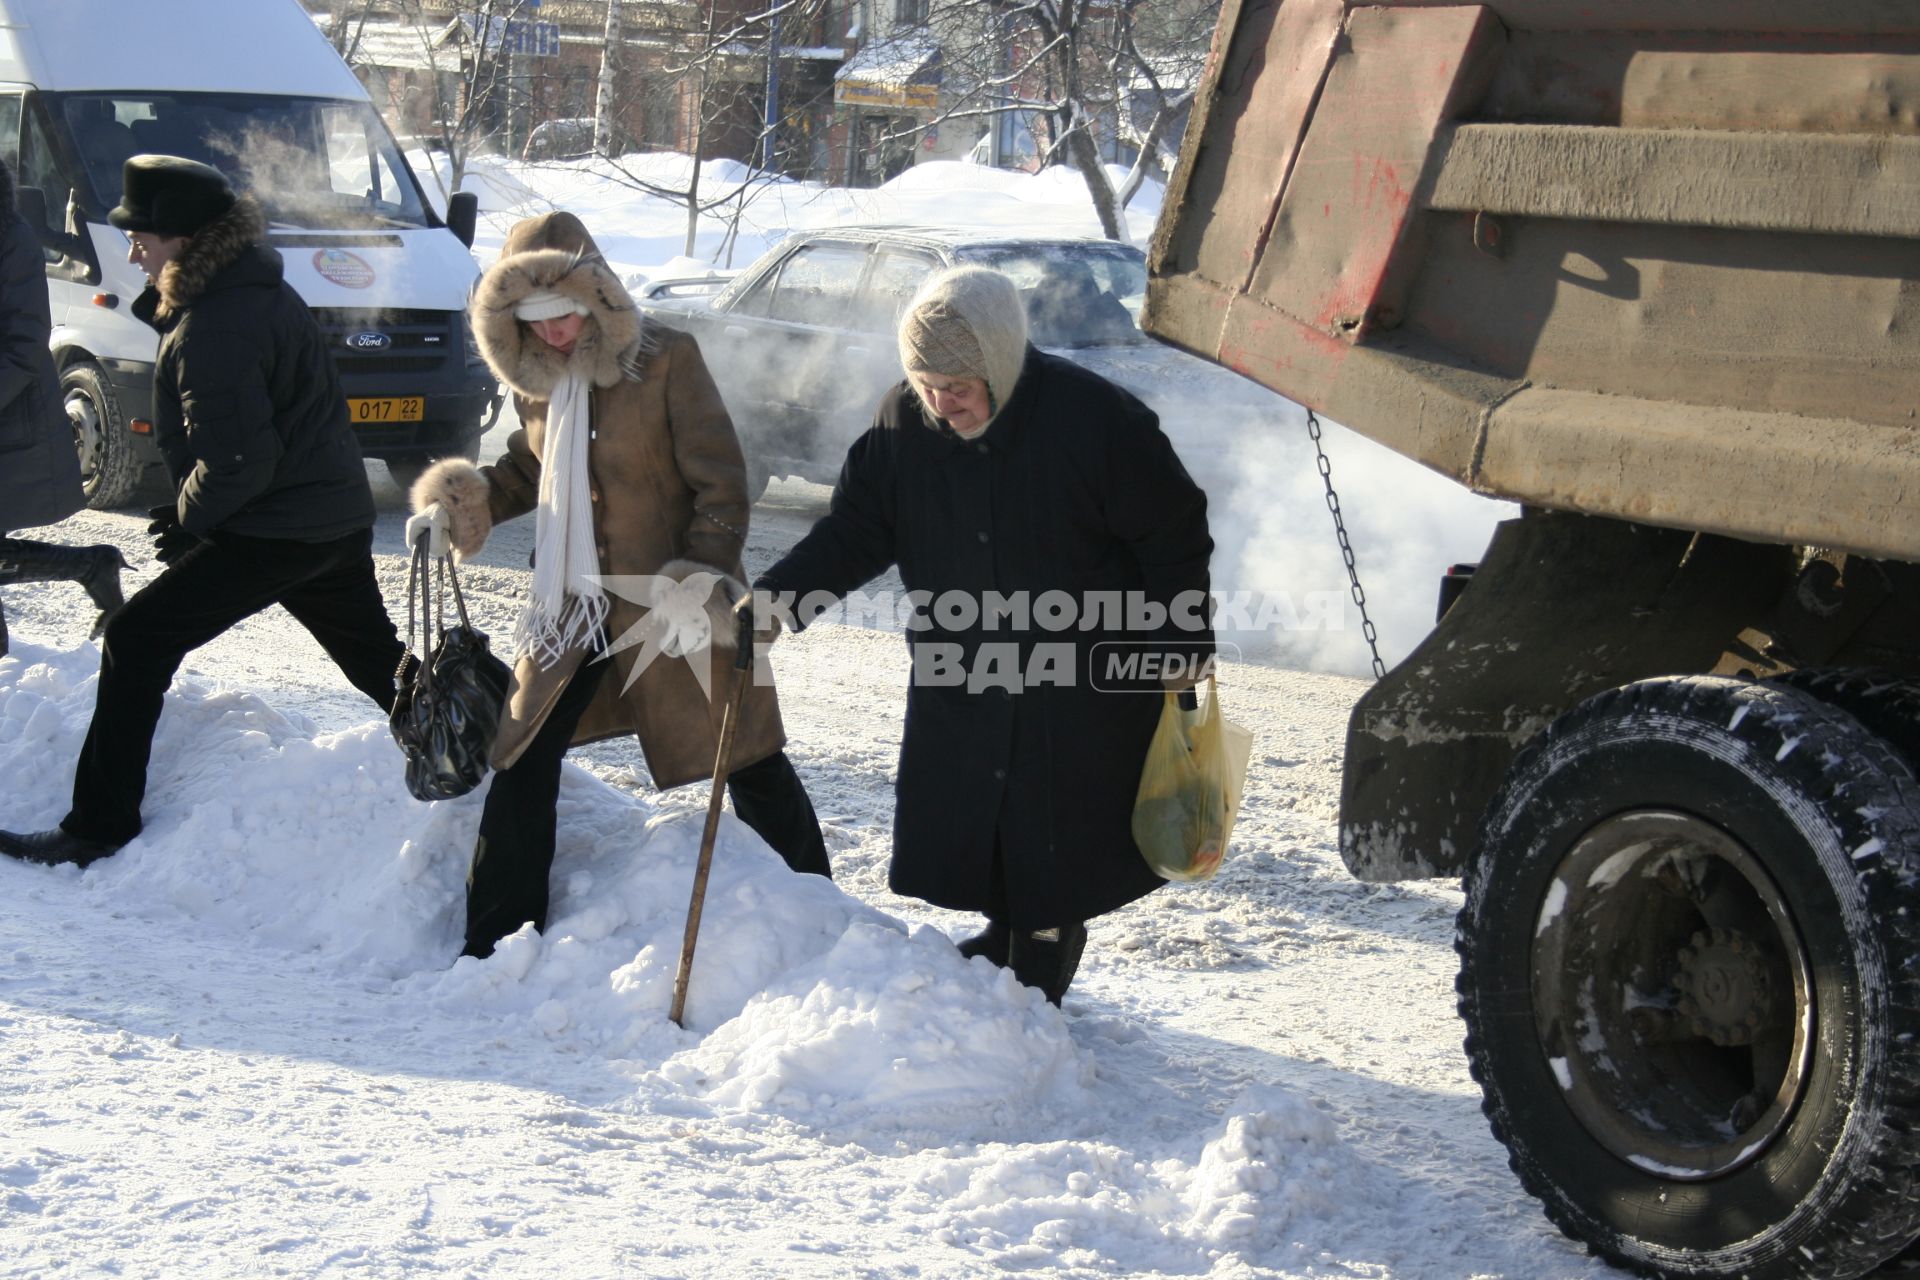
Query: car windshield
1077, 294
311, 162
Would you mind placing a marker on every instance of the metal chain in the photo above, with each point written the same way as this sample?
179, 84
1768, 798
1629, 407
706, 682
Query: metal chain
1346, 547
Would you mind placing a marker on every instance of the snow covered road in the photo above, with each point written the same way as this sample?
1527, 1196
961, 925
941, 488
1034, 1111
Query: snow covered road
242, 1046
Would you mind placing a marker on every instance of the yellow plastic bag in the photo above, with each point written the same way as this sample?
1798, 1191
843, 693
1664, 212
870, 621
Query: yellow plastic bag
1190, 789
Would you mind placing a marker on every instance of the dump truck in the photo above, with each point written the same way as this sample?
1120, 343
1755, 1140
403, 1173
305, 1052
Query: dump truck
1650, 270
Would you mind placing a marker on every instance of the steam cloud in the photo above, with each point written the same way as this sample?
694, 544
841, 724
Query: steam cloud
1272, 532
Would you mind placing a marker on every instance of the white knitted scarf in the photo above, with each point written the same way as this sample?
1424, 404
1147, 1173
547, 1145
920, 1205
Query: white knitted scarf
567, 607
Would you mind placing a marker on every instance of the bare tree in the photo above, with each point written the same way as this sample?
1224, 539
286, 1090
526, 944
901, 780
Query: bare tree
1082, 72
1158, 54
346, 27
467, 46
605, 132
712, 71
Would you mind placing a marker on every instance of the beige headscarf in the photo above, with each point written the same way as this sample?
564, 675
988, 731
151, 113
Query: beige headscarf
967, 322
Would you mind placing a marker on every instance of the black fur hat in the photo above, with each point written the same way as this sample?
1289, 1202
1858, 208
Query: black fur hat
169, 196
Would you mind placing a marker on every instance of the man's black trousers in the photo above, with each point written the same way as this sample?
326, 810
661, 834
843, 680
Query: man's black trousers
507, 886
328, 587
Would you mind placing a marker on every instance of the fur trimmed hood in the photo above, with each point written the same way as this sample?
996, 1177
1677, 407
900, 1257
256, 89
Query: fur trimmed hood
213, 249
553, 253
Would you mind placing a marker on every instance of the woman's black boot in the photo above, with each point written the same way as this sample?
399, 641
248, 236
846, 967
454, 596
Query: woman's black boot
1048, 958
992, 942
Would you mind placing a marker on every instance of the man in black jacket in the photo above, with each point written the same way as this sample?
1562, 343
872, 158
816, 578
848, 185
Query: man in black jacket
272, 504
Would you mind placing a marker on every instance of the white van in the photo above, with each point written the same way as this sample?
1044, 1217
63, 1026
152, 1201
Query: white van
254, 89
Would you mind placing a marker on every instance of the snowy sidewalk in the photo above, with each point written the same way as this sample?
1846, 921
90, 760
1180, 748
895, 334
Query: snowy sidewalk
243, 1047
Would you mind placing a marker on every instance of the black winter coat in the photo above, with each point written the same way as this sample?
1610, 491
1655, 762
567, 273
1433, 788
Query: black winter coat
1072, 488
247, 408
39, 470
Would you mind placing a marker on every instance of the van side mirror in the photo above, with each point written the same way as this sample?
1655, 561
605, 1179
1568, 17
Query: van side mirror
32, 204
463, 215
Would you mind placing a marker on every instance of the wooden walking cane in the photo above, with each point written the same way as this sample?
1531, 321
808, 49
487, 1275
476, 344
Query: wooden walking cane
722, 765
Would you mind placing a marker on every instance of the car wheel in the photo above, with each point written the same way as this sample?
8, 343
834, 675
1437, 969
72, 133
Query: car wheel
1690, 976
109, 472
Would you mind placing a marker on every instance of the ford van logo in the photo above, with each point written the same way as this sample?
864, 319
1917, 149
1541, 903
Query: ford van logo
369, 341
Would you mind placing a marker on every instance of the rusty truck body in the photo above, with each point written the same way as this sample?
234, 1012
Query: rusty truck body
1651, 269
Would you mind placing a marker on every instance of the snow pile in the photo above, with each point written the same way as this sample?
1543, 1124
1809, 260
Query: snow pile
255, 825
1273, 1160
1272, 1172
895, 1031
490, 178
628, 205
826, 1010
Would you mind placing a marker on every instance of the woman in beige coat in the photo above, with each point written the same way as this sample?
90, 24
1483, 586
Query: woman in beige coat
631, 466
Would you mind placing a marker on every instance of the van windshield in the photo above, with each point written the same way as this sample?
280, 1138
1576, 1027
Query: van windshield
311, 162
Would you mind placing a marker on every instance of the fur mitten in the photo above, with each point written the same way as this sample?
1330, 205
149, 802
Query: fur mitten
458, 486
719, 600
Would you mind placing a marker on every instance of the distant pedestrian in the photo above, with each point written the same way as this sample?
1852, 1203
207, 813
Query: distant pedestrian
39, 470
996, 472
630, 466
271, 503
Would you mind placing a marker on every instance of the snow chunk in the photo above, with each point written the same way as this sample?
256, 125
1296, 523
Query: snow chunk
1274, 1156
890, 1031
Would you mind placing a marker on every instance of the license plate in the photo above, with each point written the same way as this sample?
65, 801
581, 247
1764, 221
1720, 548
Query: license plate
366, 411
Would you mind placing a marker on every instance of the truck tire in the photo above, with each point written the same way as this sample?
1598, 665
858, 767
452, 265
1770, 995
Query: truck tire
1690, 975
109, 473
1886, 703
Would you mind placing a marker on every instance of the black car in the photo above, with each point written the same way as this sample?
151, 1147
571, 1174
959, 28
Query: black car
802, 342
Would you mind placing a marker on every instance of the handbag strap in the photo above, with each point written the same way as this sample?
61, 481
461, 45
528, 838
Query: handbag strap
429, 626
416, 569
459, 600
439, 603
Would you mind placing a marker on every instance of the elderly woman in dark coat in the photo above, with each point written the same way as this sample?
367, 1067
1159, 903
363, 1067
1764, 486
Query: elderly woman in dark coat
1002, 474
630, 465
39, 470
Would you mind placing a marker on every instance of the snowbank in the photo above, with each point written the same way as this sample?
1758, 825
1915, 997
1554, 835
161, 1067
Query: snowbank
260, 828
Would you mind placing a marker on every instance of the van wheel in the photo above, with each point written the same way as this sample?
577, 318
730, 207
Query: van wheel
108, 470
1690, 975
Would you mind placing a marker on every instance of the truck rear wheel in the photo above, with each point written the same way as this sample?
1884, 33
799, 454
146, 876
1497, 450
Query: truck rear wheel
1690, 974
1886, 703
109, 472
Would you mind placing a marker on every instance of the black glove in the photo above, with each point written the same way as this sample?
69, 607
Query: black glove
765, 628
170, 541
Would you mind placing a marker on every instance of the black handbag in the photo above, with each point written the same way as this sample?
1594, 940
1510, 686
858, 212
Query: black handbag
446, 703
